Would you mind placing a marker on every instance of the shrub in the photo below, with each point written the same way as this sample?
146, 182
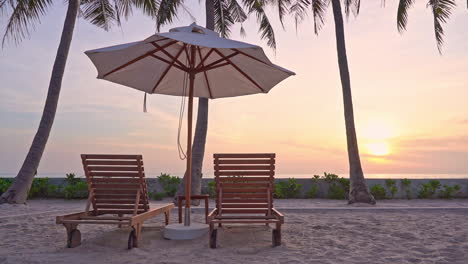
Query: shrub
71, 179
312, 193
39, 188
4, 185
336, 191
78, 190
338, 188
287, 189
427, 190
158, 196
169, 183
406, 185
392, 188
212, 189
449, 192
378, 191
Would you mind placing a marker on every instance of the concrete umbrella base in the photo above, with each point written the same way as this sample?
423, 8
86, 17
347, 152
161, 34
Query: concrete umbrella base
181, 232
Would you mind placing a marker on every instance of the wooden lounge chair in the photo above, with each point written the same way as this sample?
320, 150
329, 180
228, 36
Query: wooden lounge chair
118, 196
244, 193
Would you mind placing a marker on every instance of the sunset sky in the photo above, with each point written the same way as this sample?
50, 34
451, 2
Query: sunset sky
410, 102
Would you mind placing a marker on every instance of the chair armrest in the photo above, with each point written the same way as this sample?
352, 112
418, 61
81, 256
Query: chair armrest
212, 214
277, 213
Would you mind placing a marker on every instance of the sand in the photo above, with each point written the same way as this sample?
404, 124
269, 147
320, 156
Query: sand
316, 231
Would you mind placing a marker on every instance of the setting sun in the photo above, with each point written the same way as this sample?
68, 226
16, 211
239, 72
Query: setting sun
378, 148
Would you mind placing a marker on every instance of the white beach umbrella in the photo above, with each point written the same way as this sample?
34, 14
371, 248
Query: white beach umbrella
215, 67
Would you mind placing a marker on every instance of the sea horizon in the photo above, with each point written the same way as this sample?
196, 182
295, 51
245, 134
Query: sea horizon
283, 175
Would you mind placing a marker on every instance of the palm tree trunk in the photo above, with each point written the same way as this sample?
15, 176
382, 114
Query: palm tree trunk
201, 128
18, 191
358, 192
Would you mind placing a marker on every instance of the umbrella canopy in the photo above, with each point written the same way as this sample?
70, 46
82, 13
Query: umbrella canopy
213, 67
158, 64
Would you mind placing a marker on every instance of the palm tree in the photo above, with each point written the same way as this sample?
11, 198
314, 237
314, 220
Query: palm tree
23, 15
441, 10
359, 191
221, 15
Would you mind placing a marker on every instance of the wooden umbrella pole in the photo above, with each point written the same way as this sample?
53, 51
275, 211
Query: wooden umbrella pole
188, 182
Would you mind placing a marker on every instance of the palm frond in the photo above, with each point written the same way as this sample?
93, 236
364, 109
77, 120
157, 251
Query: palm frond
299, 10
237, 12
150, 7
123, 9
441, 9
25, 14
283, 6
100, 13
402, 14
319, 8
265, 29
167, 12
222, 17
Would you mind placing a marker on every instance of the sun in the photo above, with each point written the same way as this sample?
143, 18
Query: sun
378, 148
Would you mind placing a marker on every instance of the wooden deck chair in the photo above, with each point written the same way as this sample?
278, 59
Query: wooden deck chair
244, 193
117, 195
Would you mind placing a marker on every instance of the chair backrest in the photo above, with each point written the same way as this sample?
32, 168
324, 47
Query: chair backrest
116, 183
244, 183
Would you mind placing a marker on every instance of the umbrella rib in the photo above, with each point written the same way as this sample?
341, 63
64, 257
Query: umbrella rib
167, 69
168, 54
169, 62
218, 61
139, 58
253, 58
204, 73
240, 71
203, 60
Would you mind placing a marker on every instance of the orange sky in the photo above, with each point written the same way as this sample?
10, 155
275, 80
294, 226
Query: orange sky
410, 102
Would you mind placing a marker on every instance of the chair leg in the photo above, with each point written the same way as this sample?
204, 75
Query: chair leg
167, 215
138, 234
73, 235
276, 236
213, 236
120, 215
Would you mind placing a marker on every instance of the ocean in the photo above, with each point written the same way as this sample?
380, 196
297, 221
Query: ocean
282, 175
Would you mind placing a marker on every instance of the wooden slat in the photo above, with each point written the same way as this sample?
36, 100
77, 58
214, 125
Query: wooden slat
117, 211
244, 221
245, 211
244, 155
115, 180
242, 205
101, 222
244, 195
244, 179
242, 161
104, 218
245, 217
118, 206
114, 195
112, 162
109, 156
111, 168
243, 184
118, 201
240, 167
242, 173
110, 191
99, 186
114, 174
244, 200
244, 190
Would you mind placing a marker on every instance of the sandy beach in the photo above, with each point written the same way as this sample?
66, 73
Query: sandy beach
316, 231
